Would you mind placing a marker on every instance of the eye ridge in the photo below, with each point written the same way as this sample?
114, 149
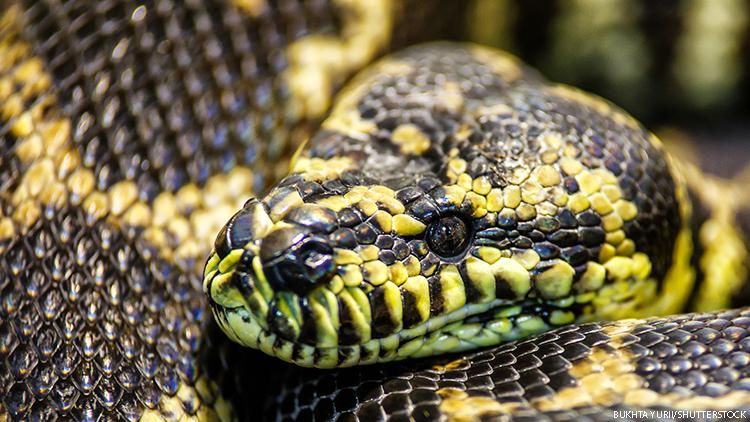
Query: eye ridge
449, 236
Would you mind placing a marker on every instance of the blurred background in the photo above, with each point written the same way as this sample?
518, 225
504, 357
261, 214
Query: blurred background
682, 67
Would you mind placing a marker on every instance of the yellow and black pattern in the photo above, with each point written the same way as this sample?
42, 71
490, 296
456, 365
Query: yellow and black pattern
453, 200
129, 133
695, 362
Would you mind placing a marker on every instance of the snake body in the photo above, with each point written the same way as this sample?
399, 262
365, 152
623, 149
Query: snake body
690, 367
451, 188
132, 131
453, 200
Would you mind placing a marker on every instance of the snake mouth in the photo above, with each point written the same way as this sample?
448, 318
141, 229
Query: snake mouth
332, 327
300, 328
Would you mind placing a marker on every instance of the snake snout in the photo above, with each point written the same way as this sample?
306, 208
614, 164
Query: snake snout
295, 260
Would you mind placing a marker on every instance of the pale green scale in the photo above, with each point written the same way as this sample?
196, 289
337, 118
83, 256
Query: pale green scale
289, 306
261, 283
357, 316
230, 260
325, 311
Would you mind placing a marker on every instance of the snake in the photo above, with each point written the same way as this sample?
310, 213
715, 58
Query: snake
450, 240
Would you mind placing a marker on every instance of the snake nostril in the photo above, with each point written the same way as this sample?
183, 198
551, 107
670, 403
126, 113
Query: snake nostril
317, 261
248, 223
296, 261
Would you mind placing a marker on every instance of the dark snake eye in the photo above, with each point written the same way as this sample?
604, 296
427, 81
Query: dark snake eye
448, 236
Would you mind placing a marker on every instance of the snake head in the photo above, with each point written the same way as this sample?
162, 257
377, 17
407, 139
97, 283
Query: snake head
452, 201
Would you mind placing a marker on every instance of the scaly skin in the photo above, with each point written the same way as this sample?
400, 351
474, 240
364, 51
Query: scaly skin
633, 370
571, 212
559, 208
129, 133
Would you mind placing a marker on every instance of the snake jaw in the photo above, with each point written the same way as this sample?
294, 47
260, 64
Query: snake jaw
273, 322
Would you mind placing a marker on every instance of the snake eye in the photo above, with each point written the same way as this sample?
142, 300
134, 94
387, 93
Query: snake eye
448, 237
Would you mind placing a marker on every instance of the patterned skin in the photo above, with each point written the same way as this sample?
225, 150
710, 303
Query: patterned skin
690, 367
130, 131
452, 200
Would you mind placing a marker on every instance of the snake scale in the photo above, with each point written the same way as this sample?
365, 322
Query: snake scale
450, 200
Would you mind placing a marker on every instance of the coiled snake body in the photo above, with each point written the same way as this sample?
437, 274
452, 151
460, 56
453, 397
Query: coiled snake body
451, 200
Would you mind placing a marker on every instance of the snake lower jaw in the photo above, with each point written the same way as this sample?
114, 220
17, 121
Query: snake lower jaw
310, 331
259, 324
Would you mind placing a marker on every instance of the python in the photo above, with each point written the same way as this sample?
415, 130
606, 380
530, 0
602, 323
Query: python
454, 199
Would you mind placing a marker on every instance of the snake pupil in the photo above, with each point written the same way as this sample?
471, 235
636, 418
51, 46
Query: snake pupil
448, 236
